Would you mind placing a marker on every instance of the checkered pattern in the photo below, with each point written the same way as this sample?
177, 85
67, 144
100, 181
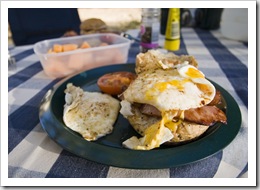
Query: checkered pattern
32, 154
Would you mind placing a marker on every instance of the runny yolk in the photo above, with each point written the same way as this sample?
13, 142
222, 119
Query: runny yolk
168, 120
194, 73
161, 86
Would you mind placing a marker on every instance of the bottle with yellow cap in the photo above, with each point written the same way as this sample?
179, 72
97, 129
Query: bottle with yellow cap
172, 33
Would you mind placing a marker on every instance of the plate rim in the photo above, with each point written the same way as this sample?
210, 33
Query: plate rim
139, 159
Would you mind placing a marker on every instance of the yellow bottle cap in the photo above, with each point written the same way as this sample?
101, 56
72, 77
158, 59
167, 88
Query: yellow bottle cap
172, 45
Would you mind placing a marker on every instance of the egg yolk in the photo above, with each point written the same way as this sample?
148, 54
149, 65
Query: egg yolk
162, 86
173, 126
153, 134
170, 124
204, 88
194, 73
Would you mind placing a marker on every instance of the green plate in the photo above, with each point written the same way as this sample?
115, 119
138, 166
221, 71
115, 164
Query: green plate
109, 150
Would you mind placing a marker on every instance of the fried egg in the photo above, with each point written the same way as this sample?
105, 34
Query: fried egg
169, 90
189, 71
91, 114
155, 135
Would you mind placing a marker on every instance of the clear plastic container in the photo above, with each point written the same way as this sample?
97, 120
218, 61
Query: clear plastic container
106, 49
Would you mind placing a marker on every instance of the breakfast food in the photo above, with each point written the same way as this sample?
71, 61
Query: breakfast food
60, 66
115, 83
91, 114
169, 101
55, 67
59, 48
85, 45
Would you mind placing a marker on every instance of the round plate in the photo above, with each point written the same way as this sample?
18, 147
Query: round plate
109, 150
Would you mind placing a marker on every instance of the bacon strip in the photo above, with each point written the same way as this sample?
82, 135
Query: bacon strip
150, 110
206, 115
216, 100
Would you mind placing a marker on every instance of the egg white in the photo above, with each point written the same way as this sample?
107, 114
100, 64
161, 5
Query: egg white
91, 114
168, 90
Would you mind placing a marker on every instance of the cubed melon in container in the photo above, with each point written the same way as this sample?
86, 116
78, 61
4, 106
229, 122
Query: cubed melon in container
79, 53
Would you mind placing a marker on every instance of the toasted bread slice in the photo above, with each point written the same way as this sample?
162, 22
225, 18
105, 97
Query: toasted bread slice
154, 59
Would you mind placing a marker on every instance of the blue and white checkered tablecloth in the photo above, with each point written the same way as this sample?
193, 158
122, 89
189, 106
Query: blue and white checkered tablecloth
32, 154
